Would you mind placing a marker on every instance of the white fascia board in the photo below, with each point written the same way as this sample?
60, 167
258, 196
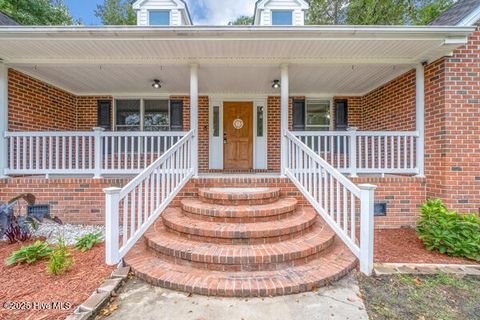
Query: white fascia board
234, 32
471, 19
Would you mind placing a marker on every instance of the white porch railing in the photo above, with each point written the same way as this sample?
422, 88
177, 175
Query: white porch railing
136, 206
95, 152
355, 152
338, 200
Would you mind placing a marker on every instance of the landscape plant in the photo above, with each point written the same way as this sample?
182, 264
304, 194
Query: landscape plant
61, 259
449, 232
88, 241
29, 254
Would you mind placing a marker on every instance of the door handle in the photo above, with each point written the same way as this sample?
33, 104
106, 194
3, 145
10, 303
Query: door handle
225, 141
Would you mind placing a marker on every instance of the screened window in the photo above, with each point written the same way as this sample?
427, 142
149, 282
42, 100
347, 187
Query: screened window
317, 114
156, 116
128, 115
282, 18
159, 18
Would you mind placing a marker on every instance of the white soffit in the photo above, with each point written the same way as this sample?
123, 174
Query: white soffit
216, 45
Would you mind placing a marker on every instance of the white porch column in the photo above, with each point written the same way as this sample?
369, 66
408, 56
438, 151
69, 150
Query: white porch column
420, 118
3, 118
194, 114
284, 100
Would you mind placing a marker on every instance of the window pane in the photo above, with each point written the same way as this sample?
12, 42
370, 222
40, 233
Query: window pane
282, 18
159, 18
128, 115
216, 121
318, 113
156, 115
259, 121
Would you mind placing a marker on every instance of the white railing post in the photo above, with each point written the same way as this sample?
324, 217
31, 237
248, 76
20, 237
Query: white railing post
367, 198
353, 151
98, 152
3, 119
284, 103
112, 199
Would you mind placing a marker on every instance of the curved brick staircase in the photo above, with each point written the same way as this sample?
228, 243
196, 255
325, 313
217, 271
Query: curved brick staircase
240, 242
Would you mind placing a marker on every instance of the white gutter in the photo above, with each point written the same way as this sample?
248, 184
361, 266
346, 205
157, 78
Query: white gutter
234, 32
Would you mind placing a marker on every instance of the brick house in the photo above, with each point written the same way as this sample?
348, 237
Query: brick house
318, 114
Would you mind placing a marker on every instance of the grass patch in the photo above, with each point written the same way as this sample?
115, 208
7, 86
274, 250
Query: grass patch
439, 297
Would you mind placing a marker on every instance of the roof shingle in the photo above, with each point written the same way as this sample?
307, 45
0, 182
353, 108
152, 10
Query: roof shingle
457, 12
6, 20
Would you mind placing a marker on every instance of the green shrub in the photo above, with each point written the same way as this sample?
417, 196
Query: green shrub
449, 232
88, 241
29, 254
60, 259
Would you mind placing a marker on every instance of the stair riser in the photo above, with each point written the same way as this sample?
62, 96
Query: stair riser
262, 258
226, 202
238, 220
260, 240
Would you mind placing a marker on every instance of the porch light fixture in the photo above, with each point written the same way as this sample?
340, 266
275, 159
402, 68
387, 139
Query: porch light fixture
276, 84
156, 84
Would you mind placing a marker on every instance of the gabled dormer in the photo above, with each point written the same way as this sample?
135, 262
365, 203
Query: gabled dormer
280, 12
162, 13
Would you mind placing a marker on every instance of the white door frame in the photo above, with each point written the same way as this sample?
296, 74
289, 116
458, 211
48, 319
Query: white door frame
216, 143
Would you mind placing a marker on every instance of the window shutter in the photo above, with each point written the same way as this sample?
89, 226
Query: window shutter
298, 115
176, 115
341, 115
104, 114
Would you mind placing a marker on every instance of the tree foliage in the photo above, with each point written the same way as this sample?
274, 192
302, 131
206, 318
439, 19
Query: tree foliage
116, 12
37, 12
376, 12
242, 21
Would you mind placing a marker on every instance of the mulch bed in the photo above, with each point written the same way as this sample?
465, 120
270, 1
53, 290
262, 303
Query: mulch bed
403, 245
32, 283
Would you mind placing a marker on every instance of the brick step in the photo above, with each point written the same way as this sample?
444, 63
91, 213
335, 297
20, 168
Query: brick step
241, 256
237, 233
279, 209
239, 196
325, 269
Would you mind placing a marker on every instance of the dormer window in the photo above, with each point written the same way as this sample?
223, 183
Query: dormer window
159, 17
282, 18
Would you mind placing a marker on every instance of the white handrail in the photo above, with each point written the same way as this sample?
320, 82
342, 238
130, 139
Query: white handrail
135, 207
96, 152
337, 199
356, 152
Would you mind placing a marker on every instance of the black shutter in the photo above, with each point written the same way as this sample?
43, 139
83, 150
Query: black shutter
298, 116
176, 115
104, 114
341, 115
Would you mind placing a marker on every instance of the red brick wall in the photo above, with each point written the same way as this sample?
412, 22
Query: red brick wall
87, 116
403, 196
34, 105
273, 131
73, 200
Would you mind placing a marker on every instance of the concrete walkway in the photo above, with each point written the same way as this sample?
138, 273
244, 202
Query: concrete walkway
139, 300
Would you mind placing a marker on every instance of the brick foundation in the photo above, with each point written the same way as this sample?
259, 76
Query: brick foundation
73, 200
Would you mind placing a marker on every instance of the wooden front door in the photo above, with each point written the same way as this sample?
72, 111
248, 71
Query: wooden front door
238, 135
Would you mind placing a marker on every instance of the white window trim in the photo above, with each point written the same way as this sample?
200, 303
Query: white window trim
142, 109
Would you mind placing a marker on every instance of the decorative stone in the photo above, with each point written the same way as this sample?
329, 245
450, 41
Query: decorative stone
110, 285
96, 300
121, 273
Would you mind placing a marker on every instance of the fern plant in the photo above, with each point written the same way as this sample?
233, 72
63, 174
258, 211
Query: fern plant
29, 254
449, 232
61, 260
88, 241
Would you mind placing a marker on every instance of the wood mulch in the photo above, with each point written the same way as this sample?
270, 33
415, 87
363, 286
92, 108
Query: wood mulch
33, 284
403, 246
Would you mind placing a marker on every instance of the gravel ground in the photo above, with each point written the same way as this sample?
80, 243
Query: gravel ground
51, 231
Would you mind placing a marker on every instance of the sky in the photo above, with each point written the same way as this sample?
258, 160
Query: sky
204, 12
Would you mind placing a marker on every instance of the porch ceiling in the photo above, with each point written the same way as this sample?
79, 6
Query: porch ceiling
127, 80
124, 60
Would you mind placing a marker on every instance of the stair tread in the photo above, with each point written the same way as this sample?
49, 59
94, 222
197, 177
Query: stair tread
196, 206
239, 193
300, 220
318, 239
321, 271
